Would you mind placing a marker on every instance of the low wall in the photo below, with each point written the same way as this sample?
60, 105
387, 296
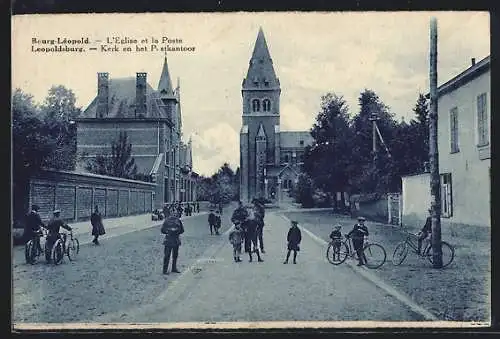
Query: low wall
76, 194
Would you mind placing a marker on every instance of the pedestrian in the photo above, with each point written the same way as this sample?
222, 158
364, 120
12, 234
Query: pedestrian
236, 239
211, 221
239, 215
250, 226
53, 226
218, 222
358, 234
33, 227
220, 208
261, 212
336, 237
172, 228
97, 226
165, 210
179, 209
425, 231
293, 238
197, 207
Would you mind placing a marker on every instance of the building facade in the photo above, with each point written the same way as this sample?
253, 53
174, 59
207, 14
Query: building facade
152, 120
269, 158
464, 145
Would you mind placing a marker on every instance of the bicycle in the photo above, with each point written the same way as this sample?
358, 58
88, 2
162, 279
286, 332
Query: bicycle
338, 251
63, 245
32, 249
402, 249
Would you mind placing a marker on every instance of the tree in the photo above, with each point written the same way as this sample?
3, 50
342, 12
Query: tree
304, 190
119, 163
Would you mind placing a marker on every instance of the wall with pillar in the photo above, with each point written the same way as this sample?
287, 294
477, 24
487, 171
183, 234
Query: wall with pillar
76, 194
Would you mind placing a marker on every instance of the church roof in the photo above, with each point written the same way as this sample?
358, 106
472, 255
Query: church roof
165, 83
292, 139
261, 132
122, 99
260, 72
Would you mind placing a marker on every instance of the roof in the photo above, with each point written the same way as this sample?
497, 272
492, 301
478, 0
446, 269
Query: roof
122, 98
277, 171
165, 84
293, 139
261, 133
466, 76
260, 72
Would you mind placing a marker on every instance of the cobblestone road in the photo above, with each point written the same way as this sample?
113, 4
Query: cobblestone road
217, 289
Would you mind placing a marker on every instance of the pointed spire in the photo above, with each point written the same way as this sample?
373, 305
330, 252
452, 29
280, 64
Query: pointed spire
165, 84
261, 134
261, 71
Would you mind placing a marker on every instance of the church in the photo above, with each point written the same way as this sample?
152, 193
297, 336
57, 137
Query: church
152, 120
270, 159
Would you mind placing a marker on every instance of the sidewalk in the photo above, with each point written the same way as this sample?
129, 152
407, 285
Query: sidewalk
459, 292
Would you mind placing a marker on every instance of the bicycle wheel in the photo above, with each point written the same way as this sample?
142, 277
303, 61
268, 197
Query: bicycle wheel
374, 255
28, 252
57, 252
73, 249
446, 249
400, 253
337, 256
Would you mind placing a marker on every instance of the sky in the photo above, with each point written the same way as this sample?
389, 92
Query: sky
313, 53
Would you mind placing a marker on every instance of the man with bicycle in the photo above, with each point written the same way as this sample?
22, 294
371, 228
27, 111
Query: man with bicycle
54, 226
358, 234
425, 232
33, 227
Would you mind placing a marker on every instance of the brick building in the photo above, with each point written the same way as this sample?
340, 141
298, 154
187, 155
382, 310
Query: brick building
269, 158
153, 122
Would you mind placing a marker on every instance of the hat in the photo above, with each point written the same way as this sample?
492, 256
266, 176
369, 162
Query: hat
295, 222
361, 219
35, 207
57, 211
338, 226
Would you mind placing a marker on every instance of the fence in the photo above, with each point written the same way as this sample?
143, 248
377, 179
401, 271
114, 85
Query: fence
76, 194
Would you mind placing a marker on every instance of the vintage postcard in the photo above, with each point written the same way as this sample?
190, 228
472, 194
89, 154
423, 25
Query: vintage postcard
251, 170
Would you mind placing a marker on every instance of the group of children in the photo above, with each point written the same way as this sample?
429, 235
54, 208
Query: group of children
214, 221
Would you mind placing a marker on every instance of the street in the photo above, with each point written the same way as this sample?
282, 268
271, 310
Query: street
121, 281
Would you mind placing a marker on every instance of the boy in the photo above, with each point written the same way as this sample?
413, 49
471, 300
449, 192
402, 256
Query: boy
236, 239
293, 237
358, 234
336, 237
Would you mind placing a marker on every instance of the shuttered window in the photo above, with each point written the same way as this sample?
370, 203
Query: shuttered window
482, 120
454, 130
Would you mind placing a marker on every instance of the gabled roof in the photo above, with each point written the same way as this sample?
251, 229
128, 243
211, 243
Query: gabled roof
277, 171
292, 139
261, 133
122, 99
260, 72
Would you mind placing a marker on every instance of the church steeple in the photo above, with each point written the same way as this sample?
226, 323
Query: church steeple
165, 84
261, 71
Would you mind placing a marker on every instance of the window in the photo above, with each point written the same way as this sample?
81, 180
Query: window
454, 130
446, 196
255, 105
301, 142
266, 105
482, 120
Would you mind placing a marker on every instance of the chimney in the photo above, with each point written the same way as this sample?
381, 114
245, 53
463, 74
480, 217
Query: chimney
102, 95
140, 95
473, 60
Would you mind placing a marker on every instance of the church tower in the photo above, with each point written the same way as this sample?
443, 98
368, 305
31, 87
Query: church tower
259, 135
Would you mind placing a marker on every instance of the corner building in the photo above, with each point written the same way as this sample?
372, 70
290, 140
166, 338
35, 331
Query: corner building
153, 122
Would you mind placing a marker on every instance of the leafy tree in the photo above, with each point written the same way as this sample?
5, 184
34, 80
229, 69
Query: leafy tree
119, 163
304, 190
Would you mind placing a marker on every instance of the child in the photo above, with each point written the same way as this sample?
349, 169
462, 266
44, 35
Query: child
336, 237
218, 222
211, 221
293, 237
236, 238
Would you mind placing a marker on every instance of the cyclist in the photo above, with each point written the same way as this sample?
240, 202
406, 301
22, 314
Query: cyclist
358, 234
33, 226
425, 231
54, 226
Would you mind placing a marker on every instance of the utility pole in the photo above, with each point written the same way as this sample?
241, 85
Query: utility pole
437, 254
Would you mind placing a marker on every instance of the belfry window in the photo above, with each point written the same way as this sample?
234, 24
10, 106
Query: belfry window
266, 105
255, 105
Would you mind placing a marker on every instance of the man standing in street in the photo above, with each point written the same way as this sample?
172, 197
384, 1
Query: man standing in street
172, 228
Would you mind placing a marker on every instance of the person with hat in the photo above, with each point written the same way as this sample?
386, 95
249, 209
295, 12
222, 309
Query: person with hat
293, 238
425, 231
336, 237
358, 234
218, 222
97, 225
212, 221
54, 226
172, 228
33, 226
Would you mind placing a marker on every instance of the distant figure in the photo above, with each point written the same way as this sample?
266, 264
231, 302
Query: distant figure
212, 221
220, 208
197, 207
294, 237
236, 239
179, 209
425, 231
218, 222
358, 234
172, 228
165, 210
97, 226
